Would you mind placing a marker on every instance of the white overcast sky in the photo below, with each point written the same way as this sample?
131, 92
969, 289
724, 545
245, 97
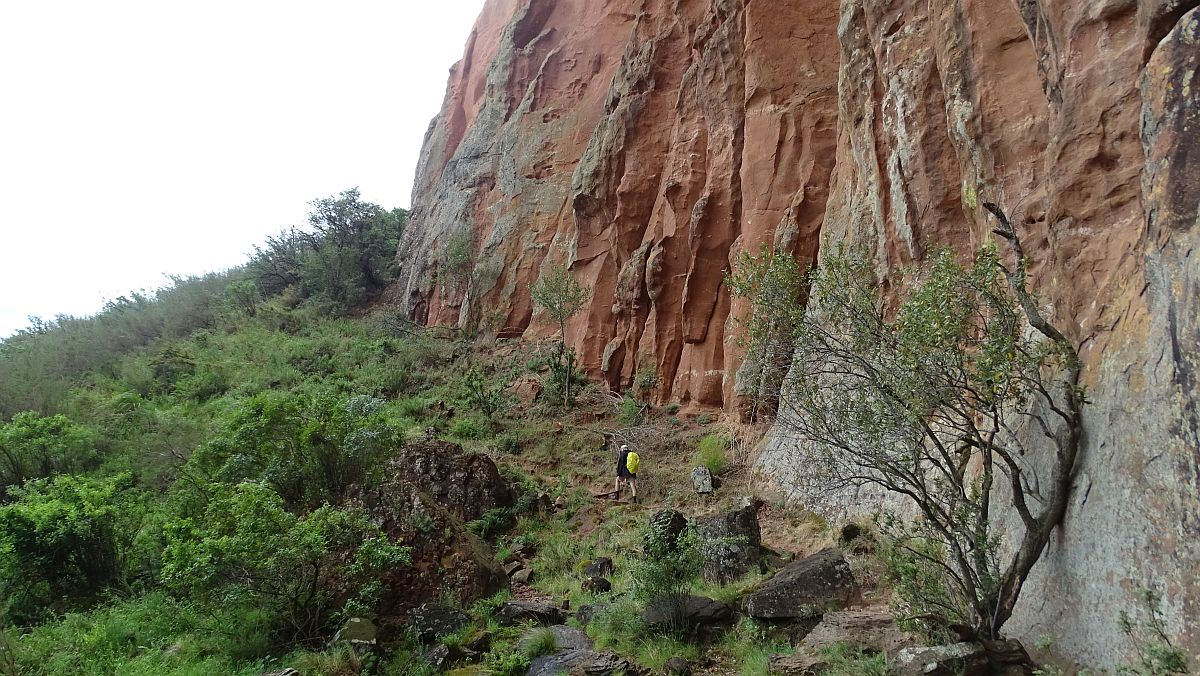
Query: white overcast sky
146, 137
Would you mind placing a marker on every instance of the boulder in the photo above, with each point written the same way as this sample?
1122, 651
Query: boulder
959, 659
872, 629
733, 545
669, 522
544, 613
678, 666
597, 585
356, 631
432, 620
581, 662
512, 567
465, 484
288, 671
522, 576
601, 566
688, 611
702, 480
438, 657
804, 589
799, 664
565, 638
588, 612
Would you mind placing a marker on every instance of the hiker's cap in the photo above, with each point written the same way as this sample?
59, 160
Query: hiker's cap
624, 447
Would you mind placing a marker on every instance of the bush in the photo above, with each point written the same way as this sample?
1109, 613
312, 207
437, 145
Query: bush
631, 412
62, 538
309, 448
540, 643
33, 446
711, 453
249, 548
509, 442
669, 568
469, 427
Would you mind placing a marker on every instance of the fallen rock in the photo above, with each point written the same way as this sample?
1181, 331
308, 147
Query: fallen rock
438, 657
565, 638
670, 523
872, 629
799, 664
288, 671
522, 576
678, 666
356, 631
560, 503
580, 662
430, 621
599, 567
544, 613
512, 567
733, 545
589, 611
466, 484
702, 480
959, 659
804, 589
688, 611
597, 585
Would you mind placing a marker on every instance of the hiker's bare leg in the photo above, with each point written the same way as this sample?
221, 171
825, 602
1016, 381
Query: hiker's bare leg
633, 487
617, 488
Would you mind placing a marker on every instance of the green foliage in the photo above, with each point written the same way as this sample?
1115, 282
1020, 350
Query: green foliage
61, 537
470, 427
843, 659
540, 643
484, 394
925, 405
1157, 655
711, 453
457, 259
751, 646
669, 569
509, 442
249, 548
506, 663
631, 411
560, 296
775, 284
342, 259
33, 446
493, 522
644, 382
308, 448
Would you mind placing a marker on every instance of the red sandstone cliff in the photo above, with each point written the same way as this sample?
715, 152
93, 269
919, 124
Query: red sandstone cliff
645, 142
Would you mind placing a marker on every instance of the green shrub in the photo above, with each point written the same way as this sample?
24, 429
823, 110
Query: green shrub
704, 419
540, 643
1157, 655
672, 408
631, 411
33, 446
669, 569
493, 522
470, 427
62, 538
310, 448
249, 548
711, 453
509, 442
843, 659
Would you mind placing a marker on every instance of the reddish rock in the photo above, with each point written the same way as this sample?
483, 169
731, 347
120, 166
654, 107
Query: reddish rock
644, 143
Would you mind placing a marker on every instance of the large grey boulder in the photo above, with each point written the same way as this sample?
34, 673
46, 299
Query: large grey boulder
357, 631
686, 612
702, 480
872, 629
544, 613
732, 544
565, 638
581, 662
432, 620
804, 589
959, 659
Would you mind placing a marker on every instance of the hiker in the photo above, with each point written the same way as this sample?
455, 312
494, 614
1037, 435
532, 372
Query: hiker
627, 467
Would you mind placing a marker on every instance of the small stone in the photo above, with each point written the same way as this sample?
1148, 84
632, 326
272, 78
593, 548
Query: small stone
678, 666
800, 664
438, 657
522, 576
512, 567
597, 585
356, 630
601, 566
589, 612
560, 503
538, 612
702, 480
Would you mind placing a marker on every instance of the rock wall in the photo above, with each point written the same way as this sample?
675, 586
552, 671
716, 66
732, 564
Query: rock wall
643, 143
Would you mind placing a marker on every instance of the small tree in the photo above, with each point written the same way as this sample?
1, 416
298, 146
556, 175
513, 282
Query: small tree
671, 565
938, 404
561, 297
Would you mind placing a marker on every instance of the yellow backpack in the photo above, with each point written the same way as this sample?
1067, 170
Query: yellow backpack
632, 461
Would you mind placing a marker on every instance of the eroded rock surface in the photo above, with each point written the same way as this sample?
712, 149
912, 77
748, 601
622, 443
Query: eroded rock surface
644, 143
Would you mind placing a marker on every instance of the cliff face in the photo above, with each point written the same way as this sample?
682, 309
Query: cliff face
645, 142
